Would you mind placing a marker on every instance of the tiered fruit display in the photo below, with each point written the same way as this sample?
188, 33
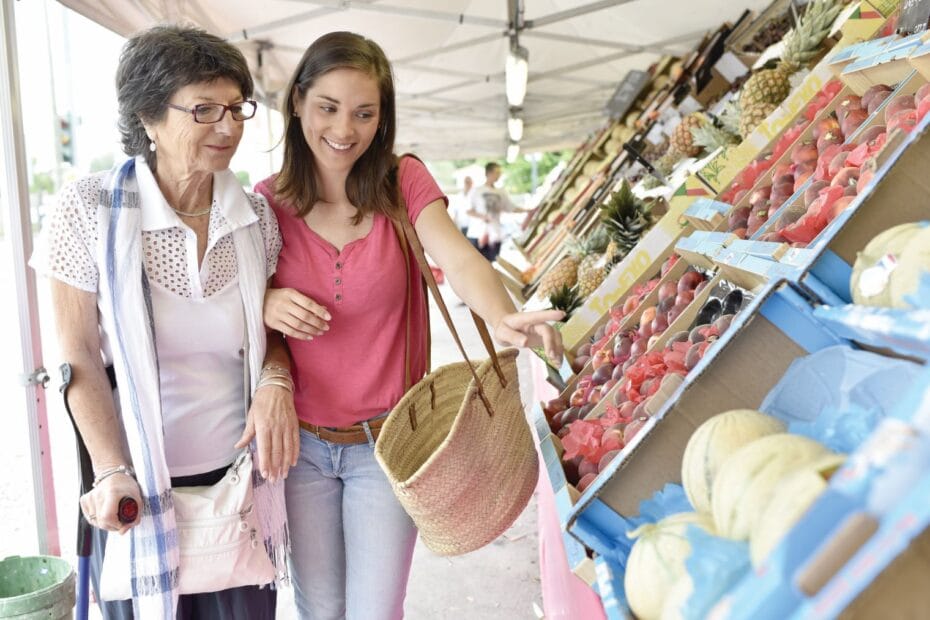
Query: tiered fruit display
626, 219
769, 87
636, 380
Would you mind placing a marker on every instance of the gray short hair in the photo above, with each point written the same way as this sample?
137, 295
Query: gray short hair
158, 62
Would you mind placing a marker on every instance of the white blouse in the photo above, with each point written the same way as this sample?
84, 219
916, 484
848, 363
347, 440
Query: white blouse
197, 312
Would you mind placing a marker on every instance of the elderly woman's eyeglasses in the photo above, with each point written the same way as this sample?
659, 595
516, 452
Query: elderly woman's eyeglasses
214, 112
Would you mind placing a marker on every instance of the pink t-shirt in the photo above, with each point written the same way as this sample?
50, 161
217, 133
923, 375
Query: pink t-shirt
355, 371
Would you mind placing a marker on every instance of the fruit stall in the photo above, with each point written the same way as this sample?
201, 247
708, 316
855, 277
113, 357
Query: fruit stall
740, 428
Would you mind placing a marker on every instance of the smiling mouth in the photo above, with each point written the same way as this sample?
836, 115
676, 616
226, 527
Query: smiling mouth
336, 145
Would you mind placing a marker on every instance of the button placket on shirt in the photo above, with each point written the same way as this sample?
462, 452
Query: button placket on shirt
337, 281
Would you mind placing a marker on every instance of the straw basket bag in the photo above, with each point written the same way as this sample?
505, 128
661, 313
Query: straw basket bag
457, 447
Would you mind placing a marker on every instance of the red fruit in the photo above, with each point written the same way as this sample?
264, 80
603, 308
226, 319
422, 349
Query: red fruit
602, 374
579, 363
611, 382
871, 134
873, 97
739, 195
627, 407
696, 334
659, 324
669, 263
621, 350
782, 191
668, 289
683, 297
899, 104
555, 406
740, 232
738, 218
700, 287
608, 456
594, 397
773, 237
577, 399
647, 315
783, 173
571, 470
756, 220
629, 305
905, 120
722, 323
586, 467
923, 108
586, 481
801, 176
865, 175
839, 206
852, 121
922, 93
825, 125
689, 281
846, 177
831, 137
638, 348
645, 329
600, 358
810, 194
760, 196
847, 103
695, 353
633, 428
837, 163
617, 374
805, 152
584, 349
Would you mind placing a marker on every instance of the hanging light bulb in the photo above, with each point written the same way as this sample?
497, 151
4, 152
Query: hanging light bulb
515, 128
513, 150
516, 72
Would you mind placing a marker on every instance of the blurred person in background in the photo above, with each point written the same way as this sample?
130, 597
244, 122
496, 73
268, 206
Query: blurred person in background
486, 204
459, 206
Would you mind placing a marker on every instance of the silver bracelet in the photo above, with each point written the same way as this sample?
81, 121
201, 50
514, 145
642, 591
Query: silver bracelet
119, 469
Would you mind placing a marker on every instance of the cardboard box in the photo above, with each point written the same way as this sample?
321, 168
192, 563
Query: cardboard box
701, 246
706, 214
738, 371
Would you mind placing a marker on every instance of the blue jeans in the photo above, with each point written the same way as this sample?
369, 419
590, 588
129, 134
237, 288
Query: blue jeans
352, 542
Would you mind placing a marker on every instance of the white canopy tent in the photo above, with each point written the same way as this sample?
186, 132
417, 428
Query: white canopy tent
449, 55
449, 63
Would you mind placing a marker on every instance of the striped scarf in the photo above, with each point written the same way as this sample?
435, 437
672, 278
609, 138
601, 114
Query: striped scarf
126, 314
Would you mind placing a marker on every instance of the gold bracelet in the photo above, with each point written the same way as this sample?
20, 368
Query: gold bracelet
275, 367
265, 382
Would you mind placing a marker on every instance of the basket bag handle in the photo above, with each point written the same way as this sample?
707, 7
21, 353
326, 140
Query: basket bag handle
407, 236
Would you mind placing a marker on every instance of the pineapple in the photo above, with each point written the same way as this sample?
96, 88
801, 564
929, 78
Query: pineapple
591, 269
626, 219
729, 118
566, 299
565, 273
752, 116
682, 140
801, 45
710, 138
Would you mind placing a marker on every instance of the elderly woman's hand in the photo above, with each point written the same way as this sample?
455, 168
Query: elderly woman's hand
100, 505
272, 421
532, 329
294, 314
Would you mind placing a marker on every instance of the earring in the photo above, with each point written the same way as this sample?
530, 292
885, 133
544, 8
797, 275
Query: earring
152, 146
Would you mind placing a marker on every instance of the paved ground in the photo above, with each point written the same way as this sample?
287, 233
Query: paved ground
498, 582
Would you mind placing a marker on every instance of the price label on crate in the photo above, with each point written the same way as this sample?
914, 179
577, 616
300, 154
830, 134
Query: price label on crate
627, 92
915, 16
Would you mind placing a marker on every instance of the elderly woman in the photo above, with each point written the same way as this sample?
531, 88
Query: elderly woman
159, 268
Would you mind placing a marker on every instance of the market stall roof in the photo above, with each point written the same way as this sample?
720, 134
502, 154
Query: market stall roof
448, 55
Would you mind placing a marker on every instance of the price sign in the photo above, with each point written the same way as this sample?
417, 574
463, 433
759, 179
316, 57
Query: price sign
627, 92
915, 16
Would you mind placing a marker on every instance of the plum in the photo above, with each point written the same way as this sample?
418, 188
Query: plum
738, 218
602, 374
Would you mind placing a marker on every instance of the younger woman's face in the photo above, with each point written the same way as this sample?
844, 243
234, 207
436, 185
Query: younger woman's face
339, 116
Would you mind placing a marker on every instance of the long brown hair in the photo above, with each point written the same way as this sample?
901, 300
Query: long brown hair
369, 186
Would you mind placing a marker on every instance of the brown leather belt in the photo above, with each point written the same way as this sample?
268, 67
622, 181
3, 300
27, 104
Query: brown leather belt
349, 434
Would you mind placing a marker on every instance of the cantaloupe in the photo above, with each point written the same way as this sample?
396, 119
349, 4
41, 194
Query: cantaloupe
713, 442
872, 277
677, 598
745, 482
657, 561
791, 498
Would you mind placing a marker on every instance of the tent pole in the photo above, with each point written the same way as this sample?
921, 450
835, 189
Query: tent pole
34, 376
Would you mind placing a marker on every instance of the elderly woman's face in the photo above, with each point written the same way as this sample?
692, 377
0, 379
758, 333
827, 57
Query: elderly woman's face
186, 146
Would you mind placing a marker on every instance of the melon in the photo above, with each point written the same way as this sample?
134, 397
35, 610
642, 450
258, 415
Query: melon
791, 498
913, 266
870, 283
677, 598
713, 442
745, 482
657, 561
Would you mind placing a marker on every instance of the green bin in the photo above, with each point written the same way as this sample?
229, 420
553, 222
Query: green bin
36, 587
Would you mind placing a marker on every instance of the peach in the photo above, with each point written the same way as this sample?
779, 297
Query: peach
898, 104
584, 349
756, 220
876, 91
740, 232
825, 125
831, 137
865, 175
837, 163
847, 176
666, 290
579, 363
586, 467
806, 152
922, 93
608, 456
629, 305
602, 374
839, 206
738, 218
760, 195
782, 191
600, 358
813, 190
689, 280
577, 399
871, 134
847, 103
852, 121
783, 173
647, 315
659, 324
905, 120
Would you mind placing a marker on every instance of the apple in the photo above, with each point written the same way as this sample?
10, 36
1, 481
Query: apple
600, 358
647, 315
577, 399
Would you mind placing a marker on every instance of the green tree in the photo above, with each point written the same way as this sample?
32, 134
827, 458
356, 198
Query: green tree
519, 174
